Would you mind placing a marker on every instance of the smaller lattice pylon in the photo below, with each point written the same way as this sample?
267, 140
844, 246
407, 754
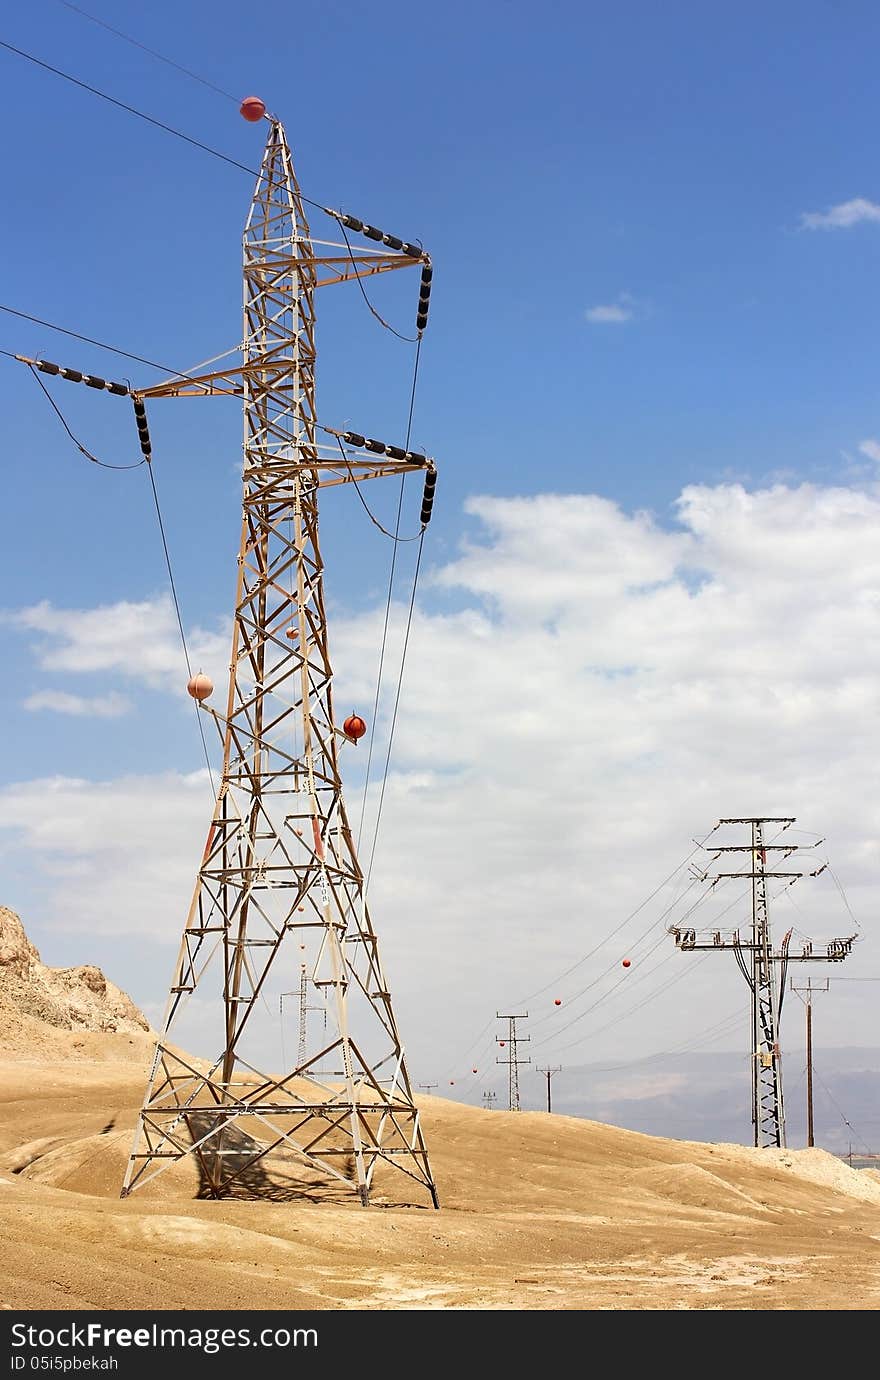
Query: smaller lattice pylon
512, 1042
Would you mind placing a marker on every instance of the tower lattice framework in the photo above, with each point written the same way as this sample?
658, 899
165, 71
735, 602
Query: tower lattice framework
758, 961
280, 884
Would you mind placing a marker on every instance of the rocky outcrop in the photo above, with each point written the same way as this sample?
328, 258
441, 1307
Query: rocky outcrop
80, 999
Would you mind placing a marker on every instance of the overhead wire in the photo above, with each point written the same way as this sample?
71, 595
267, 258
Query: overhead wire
409, 618
206, 148
606, 995
843, 1118
410, 339
387, 615
132, 110
609, 936
105, 465
79, 445
375, 521
843, 897
195, 143
89, 340
581, 961
176, 601
152, 51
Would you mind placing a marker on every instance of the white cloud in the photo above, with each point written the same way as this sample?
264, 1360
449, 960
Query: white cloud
612, 313
871, 449
842, 216
139, 641
603, 689
80, 706
118, 855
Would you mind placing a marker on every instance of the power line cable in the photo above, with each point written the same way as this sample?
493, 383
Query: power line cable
80, 447
152, 51
168, 129
410, 339
141, 115
205, 148
409, 422
137, 465
839, 1112
581, 961
605, 995
89, 340
173, 585
839, 886
375, 521
409, 618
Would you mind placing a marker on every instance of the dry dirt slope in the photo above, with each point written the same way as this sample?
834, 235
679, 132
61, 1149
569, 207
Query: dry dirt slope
538, 1211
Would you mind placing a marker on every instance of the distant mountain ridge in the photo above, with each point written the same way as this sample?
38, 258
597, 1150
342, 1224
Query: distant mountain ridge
707, 1097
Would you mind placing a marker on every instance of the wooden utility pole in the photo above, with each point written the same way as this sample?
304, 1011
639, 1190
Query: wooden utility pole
549, 1072
808, 1003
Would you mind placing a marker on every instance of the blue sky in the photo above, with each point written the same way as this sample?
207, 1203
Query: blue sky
635, 291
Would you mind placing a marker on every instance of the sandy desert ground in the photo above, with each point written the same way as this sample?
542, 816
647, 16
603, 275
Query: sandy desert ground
538, 1211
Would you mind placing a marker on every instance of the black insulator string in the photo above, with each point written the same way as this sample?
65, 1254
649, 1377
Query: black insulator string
409, 421
410, 339
128, 39
80, 447
179, 620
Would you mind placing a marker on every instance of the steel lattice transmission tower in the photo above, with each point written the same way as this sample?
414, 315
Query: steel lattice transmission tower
759, 961
280, 872
513, 1041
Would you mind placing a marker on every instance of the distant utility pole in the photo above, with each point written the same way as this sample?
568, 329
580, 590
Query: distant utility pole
513, 1041
489, 1099
756, 959
808, 1003
549, 1073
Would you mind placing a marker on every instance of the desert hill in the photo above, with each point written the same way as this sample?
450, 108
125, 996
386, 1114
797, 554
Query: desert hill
61, 1009
538, 1211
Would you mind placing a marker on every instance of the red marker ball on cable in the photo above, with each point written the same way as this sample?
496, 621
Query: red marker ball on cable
252, 108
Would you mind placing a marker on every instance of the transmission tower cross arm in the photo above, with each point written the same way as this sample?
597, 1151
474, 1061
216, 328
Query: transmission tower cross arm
832, 951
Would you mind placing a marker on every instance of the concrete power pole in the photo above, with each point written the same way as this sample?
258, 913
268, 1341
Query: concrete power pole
512, 1042
758, 961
